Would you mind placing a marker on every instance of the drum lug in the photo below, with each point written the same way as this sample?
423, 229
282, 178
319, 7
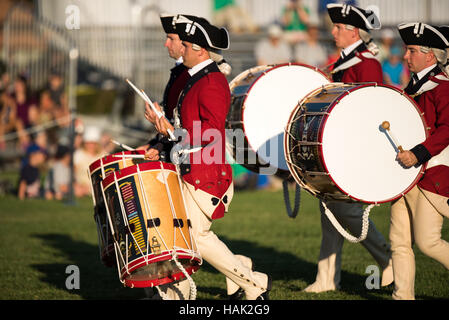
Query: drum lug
178, 223
155, 246
151, 223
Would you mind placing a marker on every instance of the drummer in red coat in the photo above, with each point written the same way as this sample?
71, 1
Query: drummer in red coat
356, 64
418, 216
207, 179
159, 147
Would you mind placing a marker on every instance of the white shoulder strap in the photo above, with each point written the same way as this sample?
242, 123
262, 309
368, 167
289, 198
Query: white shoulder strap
347, 64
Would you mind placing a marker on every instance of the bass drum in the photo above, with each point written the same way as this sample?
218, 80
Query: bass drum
337, 148
262, 99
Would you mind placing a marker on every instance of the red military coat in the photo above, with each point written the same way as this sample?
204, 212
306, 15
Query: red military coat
359, 66
178, 78
434, 103
203, 106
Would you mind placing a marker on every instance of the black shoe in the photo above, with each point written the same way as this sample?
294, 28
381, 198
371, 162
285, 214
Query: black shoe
238, 295
265, 295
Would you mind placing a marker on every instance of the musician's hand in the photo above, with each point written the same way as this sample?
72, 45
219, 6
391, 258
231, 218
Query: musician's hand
407, 158
152, 154
162, 125
150, 115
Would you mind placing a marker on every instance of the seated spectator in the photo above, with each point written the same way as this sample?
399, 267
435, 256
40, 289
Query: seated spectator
24, 102
272, 50
57, 183
385, 45
9, 122
5, 83
311, 51
59, 98
39, 140
46, 115
227, 13
83, 157
30, 174
295, 18
107, 145
46, 108
394, 71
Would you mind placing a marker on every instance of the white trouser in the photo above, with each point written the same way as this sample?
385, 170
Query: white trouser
416, 217
217, 254
349, 215
231, 286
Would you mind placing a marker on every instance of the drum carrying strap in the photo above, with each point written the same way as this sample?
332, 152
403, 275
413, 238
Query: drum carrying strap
342, 231
291, 213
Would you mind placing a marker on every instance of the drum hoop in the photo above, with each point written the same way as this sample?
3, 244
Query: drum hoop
320, 138
131, 170
276, 66
148, 259
97, 164
244, 74
158, 282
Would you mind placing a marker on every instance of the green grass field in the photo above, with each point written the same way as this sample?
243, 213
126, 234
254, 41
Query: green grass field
40, 238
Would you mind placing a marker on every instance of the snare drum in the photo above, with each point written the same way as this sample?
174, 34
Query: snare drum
262, 99
97, 171
150, 226
337, 149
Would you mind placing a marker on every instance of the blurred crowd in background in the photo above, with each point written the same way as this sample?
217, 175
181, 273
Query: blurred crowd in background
37, 124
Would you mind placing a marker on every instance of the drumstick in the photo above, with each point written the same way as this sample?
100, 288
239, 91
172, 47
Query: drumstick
143, 95
159, 114
124, 146
137, 156
386, 126
147, 99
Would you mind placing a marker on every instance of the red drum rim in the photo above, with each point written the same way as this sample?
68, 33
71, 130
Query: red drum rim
167, 255
111, 159
320, 138
274, 67
131, 170
158, 282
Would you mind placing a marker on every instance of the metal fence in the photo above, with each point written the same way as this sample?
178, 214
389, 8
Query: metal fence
34, 47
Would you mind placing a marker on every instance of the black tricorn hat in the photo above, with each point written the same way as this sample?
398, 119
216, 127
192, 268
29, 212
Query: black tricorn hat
199, 31
422, 34
167, 23
354, 16
445, 31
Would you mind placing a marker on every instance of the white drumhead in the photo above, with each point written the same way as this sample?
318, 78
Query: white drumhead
358, 154
269, 103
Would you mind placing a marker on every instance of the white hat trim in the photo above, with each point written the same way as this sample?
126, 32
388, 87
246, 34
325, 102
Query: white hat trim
424, 25
191, 29
367, 23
